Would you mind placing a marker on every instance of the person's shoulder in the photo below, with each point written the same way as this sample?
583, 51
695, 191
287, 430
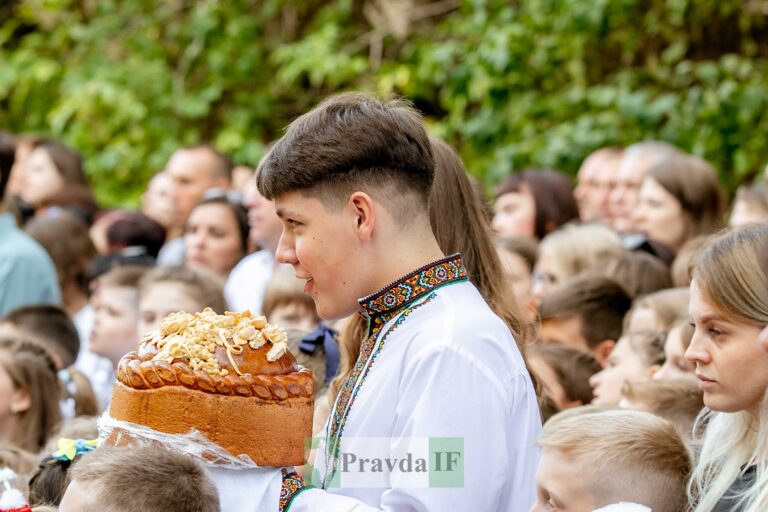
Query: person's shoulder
459, 319
23, 248
255, 261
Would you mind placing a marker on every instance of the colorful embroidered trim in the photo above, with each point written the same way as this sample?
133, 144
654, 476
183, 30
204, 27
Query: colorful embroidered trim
293, 485
415, 285
334, 446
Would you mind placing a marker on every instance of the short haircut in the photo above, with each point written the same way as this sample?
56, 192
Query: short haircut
599, 302
284, 288
128, 276
626, 456
148, 478
354, 142
552, 194
202, 286
524, 247
639, 272
222, 165
573, 368
678, 401
576, 247
7, 157
51, 327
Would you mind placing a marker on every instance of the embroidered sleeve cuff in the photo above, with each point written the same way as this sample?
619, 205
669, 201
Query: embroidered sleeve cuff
293, 485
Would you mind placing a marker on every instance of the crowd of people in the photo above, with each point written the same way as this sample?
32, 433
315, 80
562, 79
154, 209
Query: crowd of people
627, 314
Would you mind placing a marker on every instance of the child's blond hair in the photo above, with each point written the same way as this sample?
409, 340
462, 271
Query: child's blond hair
144, 477
630, 456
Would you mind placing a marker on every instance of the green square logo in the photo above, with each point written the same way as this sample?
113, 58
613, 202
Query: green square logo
446, 462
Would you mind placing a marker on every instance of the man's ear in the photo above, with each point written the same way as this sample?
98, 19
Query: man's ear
363, 208
603, 350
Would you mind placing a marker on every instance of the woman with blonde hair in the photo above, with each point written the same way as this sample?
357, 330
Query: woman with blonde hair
29, 393
729, 310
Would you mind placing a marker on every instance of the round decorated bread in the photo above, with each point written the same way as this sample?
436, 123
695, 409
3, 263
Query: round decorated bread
230, 377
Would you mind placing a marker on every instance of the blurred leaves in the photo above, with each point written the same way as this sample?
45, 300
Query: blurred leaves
510, 84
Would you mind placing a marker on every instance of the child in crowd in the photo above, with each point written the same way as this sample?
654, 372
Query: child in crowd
657, 311
677, 401
48, 484
65, 237
639, 272
564, 372
518, 256
30, 392
116, 302
586, 313
286, 304
51, 327
592, 459
139, 478
676, 366
636, 357
164, 290
570, 250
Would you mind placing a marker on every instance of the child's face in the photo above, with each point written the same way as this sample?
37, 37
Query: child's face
114, 327
675, 366
624, 365
294, 315
561, 485
161, 299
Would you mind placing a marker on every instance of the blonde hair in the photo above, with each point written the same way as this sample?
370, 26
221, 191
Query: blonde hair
667, 305
648, 345
732, 273
202, 286
32, 368
678, 401
627, 455
144, 477
576, 247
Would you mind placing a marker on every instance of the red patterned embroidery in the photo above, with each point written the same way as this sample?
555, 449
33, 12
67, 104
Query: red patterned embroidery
293, 485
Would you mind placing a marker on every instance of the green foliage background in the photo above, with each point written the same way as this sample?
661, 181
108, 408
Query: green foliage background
511, 84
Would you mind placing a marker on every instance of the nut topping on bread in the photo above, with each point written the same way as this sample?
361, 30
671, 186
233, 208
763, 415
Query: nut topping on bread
197, 337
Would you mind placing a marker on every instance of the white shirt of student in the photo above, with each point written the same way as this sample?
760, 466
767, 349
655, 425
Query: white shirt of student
444, 366
248, 281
